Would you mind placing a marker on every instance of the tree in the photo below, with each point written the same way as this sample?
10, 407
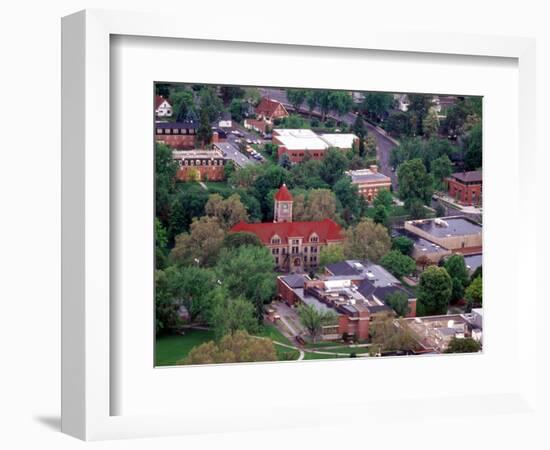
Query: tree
232, 315
434, 292
340, 102
441, 168
204, 132
474, 292
237, 108
185, 205
388, 334
417, 210
423, 261
210, 103
474, 150
377, 104
320, 205
167, 315
228, 212
399, 302
313, 319
359, 127
371, 145
182, 103
192, 287
366, 240
330, 254
380, 215
236, 240
230, 93
430, 124
296, 97
403, 244
414, 182
398, 263
419, 106
239, 347
165, 176
161, 242
333, 166
284, 161
201, 245
399, 124
383, 198
247, 272
456, 268
440, 210
463, 345
349, 199
229, 168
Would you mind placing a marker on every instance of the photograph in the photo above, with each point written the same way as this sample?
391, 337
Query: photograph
297, 224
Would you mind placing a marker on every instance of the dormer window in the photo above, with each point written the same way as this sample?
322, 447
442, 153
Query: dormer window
275, 240
314, 238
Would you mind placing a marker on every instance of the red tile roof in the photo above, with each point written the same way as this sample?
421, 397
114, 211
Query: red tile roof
158, 100
326, 230
283, 194
267, 107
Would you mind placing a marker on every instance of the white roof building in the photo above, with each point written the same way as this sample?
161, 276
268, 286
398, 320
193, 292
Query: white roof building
339, 140
299, 139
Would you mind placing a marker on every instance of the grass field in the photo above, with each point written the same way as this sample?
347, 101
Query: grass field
309, 356
170, 349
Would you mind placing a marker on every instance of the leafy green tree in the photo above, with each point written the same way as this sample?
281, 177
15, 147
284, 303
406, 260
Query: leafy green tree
201, 245
380, 215
266, 183
165, 176
237, 108
229, 168
161, 242
238, 347
399, 302
417, 210
403, 244
440, 210
186, 204
204, 132
399, 124
320, 205
388, 334
182, 103
230, 93
456, 268
232, 315
228, 212
419, 107
330, 254
296, 97
371, 144
377, 104
248, 271
414, 182
474, 150
349, 199
463, 345
383, 198
313, 319
366, 240
441, 168
430, 124
433, 292
340, 102
398, 263
293, 121
284, 161
359, 128
307, 175
167, 316
474, 292
333, 166
210, 103
236, 240
162, 89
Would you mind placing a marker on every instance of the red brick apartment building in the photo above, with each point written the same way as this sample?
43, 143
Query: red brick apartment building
295, 246
369, 181
178, 135
466, 187
196, 165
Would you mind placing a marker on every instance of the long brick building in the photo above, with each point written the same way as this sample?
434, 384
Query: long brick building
196, 165
295, 246
178, 135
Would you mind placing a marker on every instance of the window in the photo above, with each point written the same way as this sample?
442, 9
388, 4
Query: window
176, 131
275, 240
159, 130
167, 131
313, 249
277, 260
314, 238
294, 250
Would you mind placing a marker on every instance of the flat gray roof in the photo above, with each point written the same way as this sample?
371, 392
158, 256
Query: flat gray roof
456, 226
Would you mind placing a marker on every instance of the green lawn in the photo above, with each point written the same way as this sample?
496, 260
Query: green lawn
309, 356
283, 353
170, 349
347, 350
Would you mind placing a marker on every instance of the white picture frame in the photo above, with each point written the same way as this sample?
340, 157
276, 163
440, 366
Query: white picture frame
87, 384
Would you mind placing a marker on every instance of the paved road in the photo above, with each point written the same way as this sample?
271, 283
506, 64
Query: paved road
385, 144
232, 152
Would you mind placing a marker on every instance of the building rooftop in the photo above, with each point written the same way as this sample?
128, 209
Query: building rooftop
300, 139
188, 124
295, 281
364, 269
420, 244
448, 226
339, 140
159, 100
474, 176
190, 154
473, 261
367, 175
267, 107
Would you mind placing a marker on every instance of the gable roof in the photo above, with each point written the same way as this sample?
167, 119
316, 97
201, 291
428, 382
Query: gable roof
474, 176
326, 230
267, 107
283, 194
159, 99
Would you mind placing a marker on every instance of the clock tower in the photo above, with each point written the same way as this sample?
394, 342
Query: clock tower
283, 205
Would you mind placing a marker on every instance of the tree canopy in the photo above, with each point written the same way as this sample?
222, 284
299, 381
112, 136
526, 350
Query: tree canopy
313, 320
366, 240
398, 263
414, 182
456, 268
433, 292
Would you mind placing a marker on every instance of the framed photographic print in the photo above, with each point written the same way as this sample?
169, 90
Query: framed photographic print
251, 220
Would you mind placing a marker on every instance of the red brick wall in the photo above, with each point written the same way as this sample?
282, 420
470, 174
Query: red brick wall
412, 308
178, 141
207, 173
297, 156
286, 293
358, 327
466, 194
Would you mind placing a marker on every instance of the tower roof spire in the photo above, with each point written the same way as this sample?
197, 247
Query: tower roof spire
283, 194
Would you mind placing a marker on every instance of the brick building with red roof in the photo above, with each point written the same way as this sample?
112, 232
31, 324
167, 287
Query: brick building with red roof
295, 246
270, 110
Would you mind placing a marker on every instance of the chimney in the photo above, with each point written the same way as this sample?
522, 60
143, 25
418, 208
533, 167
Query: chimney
215, 137
374, 168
